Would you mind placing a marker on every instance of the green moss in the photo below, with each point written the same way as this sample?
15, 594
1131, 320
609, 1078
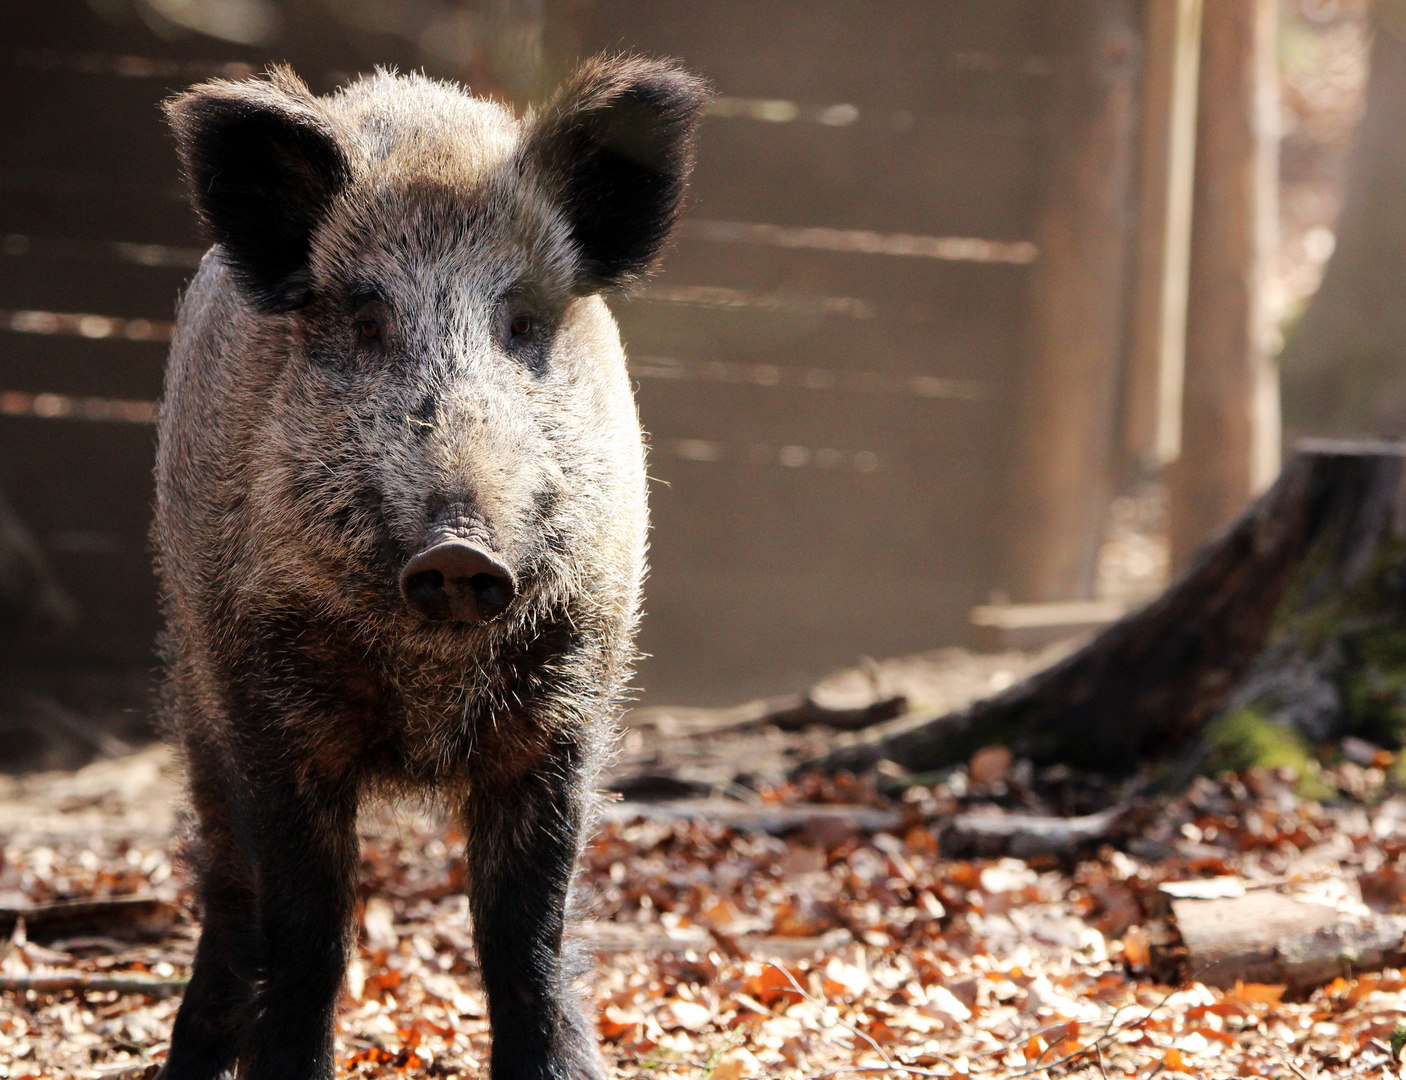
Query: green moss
1374, 696
1245, 739
1312, 786
1354, 634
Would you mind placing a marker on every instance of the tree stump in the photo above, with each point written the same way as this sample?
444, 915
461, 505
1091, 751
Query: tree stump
1320, 555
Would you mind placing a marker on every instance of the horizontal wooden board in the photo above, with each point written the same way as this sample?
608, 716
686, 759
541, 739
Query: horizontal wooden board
984, 57
901, 342
73, 365
92, 284
952, 175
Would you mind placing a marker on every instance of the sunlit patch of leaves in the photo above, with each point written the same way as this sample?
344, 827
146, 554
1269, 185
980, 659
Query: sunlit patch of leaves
726, 955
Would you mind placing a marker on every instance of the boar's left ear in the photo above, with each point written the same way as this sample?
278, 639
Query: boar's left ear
263, 166
615, 146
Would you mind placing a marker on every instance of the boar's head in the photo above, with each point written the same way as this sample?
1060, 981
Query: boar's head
443, 432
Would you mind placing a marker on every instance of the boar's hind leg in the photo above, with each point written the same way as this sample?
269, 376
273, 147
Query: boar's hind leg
523, 837
207, 1029
305, 841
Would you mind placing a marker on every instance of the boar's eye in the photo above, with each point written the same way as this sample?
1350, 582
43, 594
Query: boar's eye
369, 322
524, 332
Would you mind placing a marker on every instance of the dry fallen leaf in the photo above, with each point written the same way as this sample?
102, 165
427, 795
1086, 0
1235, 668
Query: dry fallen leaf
737, 1063
990, 764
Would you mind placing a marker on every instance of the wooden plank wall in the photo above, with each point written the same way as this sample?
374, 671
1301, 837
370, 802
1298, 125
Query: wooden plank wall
905, 119
827, 365
93, 222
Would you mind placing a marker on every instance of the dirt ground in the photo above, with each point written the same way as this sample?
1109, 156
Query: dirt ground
760, 928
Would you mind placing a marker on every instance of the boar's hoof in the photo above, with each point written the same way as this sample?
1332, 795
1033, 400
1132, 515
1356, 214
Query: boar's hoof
459, 581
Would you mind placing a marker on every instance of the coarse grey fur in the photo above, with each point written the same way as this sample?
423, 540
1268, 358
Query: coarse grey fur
347, 387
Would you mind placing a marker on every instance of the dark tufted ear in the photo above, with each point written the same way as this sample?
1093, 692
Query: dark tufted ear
263, 167
615, 145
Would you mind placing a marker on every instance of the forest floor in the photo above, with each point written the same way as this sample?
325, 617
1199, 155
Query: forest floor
761, 928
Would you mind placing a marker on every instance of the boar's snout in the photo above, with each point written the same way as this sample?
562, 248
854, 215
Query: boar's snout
457, 580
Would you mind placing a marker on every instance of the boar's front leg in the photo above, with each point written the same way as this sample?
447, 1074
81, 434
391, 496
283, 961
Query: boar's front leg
524, 832
205, 1039
306, 851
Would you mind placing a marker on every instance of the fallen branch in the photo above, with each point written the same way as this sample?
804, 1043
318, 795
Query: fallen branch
617, 937
78, 726
63, 982
750, 817
791, 712
132, 916
993, 833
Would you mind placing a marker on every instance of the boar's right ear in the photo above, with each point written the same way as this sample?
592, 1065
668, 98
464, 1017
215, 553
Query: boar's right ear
615, 146
263, 167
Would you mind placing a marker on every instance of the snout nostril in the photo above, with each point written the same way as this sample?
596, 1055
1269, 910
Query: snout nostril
491, 590
425, 592
457, 580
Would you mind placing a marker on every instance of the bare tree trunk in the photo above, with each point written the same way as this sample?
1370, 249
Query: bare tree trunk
1230, 418
1062, 475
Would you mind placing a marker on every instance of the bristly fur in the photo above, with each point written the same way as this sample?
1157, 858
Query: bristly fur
303, 461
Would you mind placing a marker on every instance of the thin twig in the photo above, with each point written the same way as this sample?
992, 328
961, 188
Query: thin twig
712, 1061
1108, 1035
1010, 1044
839, 1020
1289, 1062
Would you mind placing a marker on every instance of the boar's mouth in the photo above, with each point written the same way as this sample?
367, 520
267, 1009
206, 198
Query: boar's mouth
458, 580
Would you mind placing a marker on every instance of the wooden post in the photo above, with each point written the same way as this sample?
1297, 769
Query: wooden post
1344, 365
1063, 471
1166, 155
1230, 433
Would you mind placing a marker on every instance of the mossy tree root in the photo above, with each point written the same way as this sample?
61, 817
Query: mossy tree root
1146, 685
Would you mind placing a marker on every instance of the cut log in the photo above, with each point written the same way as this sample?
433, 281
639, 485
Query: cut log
1263, 937
1149, 682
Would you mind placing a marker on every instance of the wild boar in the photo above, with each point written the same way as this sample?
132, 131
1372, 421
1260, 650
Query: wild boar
400, 521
